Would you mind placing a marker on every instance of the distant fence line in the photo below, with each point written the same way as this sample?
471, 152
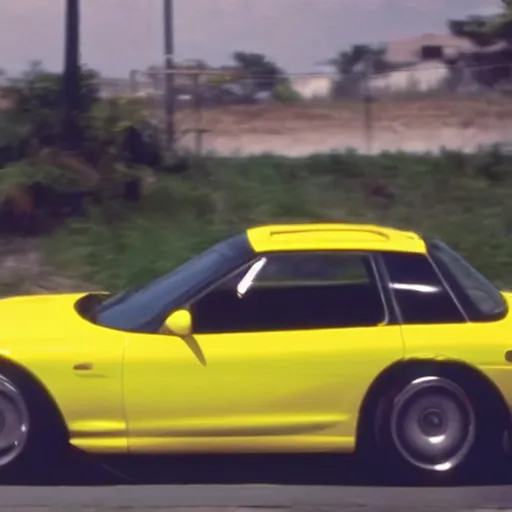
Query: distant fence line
422, 78
362, 114
366, 116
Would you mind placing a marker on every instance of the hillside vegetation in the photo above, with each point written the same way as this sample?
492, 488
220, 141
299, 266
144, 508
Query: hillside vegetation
465, 199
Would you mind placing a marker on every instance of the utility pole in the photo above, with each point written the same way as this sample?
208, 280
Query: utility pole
71, 79
169, 75
368, 103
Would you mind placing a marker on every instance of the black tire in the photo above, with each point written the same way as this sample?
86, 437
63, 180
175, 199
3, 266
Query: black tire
433, 429
31, 431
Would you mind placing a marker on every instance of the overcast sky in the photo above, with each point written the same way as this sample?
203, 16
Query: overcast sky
119, 35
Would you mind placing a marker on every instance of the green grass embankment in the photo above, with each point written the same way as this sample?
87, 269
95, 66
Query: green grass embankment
465, 199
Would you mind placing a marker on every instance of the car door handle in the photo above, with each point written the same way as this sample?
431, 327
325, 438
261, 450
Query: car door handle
508, 356
83, 367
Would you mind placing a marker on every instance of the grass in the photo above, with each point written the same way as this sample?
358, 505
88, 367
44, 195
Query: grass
464, 199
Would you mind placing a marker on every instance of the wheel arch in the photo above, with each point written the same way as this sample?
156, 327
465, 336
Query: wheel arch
408, 368
13, 369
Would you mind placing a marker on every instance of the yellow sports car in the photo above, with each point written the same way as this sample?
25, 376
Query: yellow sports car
285, 338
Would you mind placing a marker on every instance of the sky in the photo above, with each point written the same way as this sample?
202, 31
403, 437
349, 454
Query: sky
120, 35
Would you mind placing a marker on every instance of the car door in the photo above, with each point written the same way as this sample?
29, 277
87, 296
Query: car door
281, 355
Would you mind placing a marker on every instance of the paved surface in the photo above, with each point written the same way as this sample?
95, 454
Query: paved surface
264, 498
242, 484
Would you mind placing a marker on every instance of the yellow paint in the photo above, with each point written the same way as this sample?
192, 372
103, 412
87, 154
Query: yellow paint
261, 392
314, 237
47, 337
303, 386
479, 345
180, 323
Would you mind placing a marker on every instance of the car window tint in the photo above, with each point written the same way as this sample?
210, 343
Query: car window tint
481, 300
294, 291
312, 269
421, 295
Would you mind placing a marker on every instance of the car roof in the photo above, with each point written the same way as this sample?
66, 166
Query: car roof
333, 236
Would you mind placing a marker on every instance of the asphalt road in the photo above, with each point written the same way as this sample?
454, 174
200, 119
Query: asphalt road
241, 484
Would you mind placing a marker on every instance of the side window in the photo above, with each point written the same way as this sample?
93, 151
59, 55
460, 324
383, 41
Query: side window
310, 269
419, 292
293, 291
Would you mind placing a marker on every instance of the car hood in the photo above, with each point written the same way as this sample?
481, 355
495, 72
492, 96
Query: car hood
40, 316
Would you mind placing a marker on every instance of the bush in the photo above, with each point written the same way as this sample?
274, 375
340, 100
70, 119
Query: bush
36, 105
40, 184
114, 127
285, 93
39, 194
121, 127
14, 139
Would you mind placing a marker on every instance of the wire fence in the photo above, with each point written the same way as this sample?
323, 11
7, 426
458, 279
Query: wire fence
217, 85
425, 107
421, 108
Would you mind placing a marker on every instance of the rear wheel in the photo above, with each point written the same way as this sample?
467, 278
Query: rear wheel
433, 424
435, 429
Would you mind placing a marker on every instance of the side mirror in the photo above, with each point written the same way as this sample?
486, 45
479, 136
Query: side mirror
180, 323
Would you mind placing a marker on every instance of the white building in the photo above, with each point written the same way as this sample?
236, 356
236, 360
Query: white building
313, 86
422, 77
422, 63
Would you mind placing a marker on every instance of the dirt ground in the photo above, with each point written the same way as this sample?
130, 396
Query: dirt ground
416, 125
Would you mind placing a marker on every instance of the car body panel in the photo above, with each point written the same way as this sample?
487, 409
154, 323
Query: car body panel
482, 346
295, 391
236, 392
90, 401
319, 237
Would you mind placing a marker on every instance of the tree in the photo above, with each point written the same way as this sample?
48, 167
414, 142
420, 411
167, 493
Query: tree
262, 73
71, 134
353, 66
37, 99
486, 30
359, 58
489, 68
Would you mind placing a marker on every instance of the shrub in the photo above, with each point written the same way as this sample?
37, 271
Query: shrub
118, 127
38, 194
36, 104
285, 93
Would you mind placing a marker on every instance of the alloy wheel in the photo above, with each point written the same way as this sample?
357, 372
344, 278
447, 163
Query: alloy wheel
433, 424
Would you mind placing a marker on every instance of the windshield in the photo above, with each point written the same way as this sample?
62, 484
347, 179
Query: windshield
480, 299
145, 309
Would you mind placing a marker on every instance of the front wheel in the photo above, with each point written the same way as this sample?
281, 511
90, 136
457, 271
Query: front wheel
14, 423
30, 431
